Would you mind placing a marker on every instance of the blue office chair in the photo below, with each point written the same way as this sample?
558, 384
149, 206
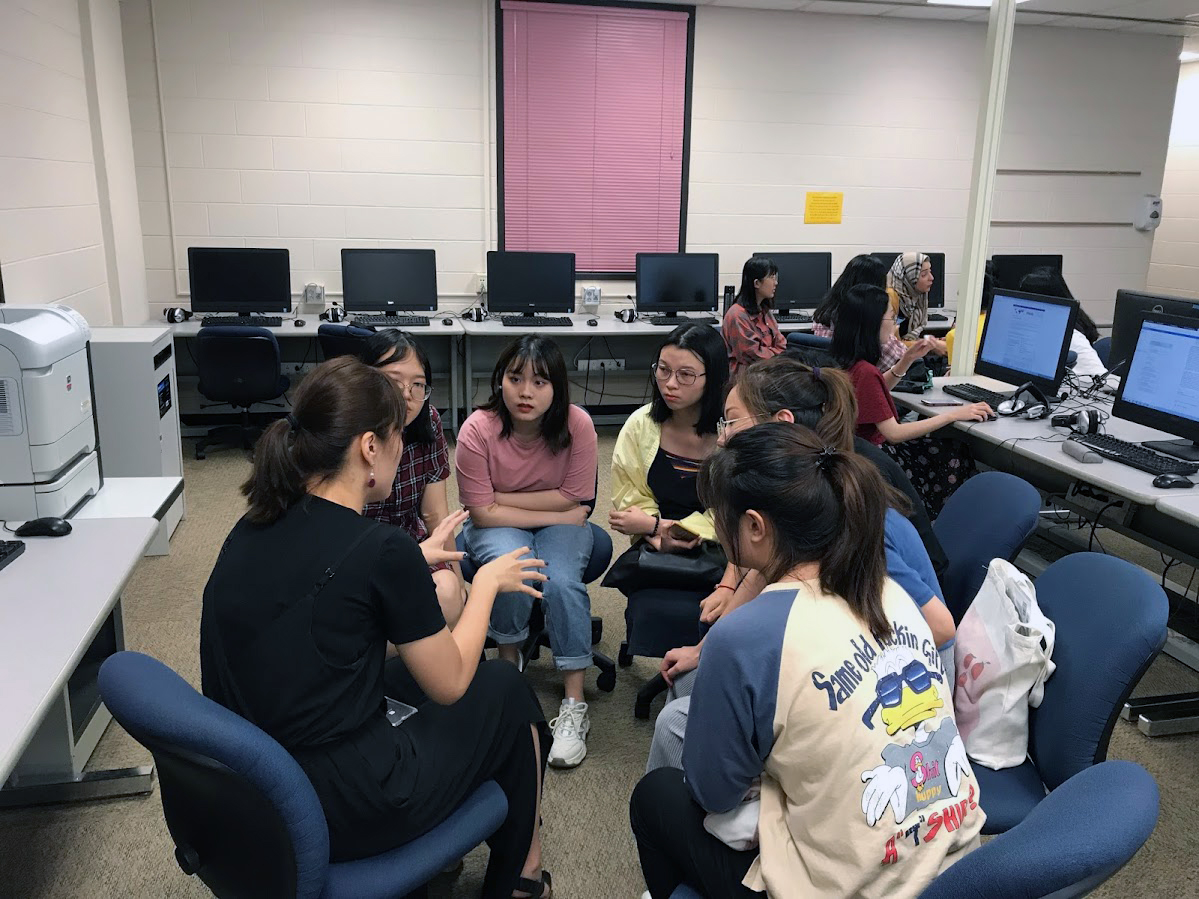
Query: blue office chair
991, 516
1103, 349
808, 339
1110, 619
601, 557
238, 366
244, 817
1080, 835
341, 340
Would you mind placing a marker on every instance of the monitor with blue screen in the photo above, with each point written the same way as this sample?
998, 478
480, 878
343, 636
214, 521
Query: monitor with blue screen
1026, 339
1161, 388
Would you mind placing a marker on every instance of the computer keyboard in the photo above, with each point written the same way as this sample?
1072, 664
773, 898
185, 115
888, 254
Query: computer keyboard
973, 394
541, 321
674, 321
255, 321
9, 550
391, 321
1135, 455
793, 318
937, 317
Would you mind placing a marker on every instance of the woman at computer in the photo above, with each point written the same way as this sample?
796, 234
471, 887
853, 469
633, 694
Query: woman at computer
862, 269
908, 283
654, 503
850, 770
417, 502
527, 473
299, 649
1048, 282
749, 330
936, 466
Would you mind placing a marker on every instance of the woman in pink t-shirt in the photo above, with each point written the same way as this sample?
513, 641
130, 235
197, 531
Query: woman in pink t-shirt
526, 464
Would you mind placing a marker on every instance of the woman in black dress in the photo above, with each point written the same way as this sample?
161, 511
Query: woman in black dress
307, 600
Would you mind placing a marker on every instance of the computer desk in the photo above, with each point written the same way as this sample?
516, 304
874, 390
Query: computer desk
60, 616
1164, 520
288, 335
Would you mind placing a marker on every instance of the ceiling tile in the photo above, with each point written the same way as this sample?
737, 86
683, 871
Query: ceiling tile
848, 9
759, 4
1080, 6
930, 12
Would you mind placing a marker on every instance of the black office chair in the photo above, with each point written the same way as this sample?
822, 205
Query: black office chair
238, 366
341, 340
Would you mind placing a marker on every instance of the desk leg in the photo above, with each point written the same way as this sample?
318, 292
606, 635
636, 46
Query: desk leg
454, 382
91, 785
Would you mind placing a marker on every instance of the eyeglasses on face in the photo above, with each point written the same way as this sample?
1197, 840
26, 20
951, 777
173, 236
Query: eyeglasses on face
686, 376
723, 424
417, 390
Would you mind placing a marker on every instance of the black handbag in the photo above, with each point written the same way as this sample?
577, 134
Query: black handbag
641, 567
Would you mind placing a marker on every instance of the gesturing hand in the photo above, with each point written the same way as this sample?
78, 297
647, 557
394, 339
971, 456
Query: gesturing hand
433, 547
509, 573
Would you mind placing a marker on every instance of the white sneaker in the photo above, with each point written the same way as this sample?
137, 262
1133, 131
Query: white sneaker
570, 735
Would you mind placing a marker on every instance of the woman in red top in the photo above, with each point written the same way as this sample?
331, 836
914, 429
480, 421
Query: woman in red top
935, 466
749, 329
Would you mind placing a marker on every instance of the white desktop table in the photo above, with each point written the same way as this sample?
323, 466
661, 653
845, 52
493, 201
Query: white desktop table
55, 599
1182, 505
157, 498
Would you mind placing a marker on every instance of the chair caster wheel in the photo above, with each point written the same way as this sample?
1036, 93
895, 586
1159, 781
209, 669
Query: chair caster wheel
624, 658
606, 681
641, 710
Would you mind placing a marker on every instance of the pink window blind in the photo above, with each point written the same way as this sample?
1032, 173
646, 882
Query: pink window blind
594, 108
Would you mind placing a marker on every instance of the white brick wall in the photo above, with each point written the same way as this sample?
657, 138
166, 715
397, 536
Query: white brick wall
317, 126
1175, 266
51, 242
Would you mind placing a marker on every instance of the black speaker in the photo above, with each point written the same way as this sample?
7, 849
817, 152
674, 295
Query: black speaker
729, 293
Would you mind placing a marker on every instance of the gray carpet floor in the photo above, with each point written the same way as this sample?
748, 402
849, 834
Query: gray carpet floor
120, 848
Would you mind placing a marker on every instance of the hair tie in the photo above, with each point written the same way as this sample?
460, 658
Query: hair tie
816, 372
293, 422
824, 459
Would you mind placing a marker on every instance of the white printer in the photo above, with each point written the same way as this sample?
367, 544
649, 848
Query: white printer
49, 452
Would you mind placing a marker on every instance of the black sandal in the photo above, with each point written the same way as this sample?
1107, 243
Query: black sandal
536, 889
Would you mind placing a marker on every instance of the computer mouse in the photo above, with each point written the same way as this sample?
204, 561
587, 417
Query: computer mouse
447, 321
44, 527
299, 323
592, 322
1165, 481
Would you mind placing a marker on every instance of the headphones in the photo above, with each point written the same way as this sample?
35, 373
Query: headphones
628, 316
333, 314
1084, 421
177, 314
1036, 406
475, 314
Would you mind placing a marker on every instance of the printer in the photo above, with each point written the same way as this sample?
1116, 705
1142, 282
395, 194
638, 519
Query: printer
49, 449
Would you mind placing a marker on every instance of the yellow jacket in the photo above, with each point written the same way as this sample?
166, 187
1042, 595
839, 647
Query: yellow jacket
978, 336
634, 453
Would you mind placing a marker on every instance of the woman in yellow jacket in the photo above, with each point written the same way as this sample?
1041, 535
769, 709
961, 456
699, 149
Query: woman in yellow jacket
654, 501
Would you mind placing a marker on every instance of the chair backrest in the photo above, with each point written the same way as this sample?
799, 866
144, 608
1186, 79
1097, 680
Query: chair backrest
242, 813
1073, 840
808, 339
238, 365
1110, 619
1103, 349
341, 340
991, 516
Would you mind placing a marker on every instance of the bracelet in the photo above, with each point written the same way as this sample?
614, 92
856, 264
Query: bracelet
897, 374
726, 587
657, 523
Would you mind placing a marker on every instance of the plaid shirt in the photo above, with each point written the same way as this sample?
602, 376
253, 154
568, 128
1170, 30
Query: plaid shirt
749, 338
892, 350
420, 464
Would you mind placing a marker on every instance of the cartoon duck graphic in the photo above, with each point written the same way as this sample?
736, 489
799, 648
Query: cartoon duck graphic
917, 765
905, 693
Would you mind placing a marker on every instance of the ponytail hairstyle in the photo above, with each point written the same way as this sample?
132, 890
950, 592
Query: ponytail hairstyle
341, 400
393, 345
756, 268
818, 398
823, 504
547, 361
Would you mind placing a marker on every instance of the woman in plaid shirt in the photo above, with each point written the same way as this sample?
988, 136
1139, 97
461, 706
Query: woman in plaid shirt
417, 502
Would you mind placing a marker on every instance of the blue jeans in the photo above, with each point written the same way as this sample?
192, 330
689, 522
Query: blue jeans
565, 548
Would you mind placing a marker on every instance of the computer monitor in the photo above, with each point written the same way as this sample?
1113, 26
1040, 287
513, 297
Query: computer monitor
936, 294
239, 279
804, 279
670, 283
387, 280
1161, 389
1010, 270
1026, 338
530, 282
1131, 308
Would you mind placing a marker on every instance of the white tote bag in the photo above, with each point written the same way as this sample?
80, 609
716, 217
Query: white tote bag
1003, 658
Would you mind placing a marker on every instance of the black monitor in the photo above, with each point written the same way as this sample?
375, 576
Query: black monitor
677, 282
387, 280
936, 294
238, 279
1026, 339
530, 282
1010, 270
1131, 308
1161, 388
804, 279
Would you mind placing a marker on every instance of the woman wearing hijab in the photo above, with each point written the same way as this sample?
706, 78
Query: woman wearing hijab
908, 284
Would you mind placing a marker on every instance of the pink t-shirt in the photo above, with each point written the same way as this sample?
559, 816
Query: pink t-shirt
487, 464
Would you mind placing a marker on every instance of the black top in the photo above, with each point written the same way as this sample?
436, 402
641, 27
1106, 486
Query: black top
671, 479
296, 619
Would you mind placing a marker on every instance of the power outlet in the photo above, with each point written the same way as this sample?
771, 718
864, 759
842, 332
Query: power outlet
601, 365
482, 284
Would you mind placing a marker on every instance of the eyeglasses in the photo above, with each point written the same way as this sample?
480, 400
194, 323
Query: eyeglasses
723, 424
416, 390
889, 689
685, 376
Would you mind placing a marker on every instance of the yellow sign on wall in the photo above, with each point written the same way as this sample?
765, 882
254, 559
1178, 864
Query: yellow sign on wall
823, 207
